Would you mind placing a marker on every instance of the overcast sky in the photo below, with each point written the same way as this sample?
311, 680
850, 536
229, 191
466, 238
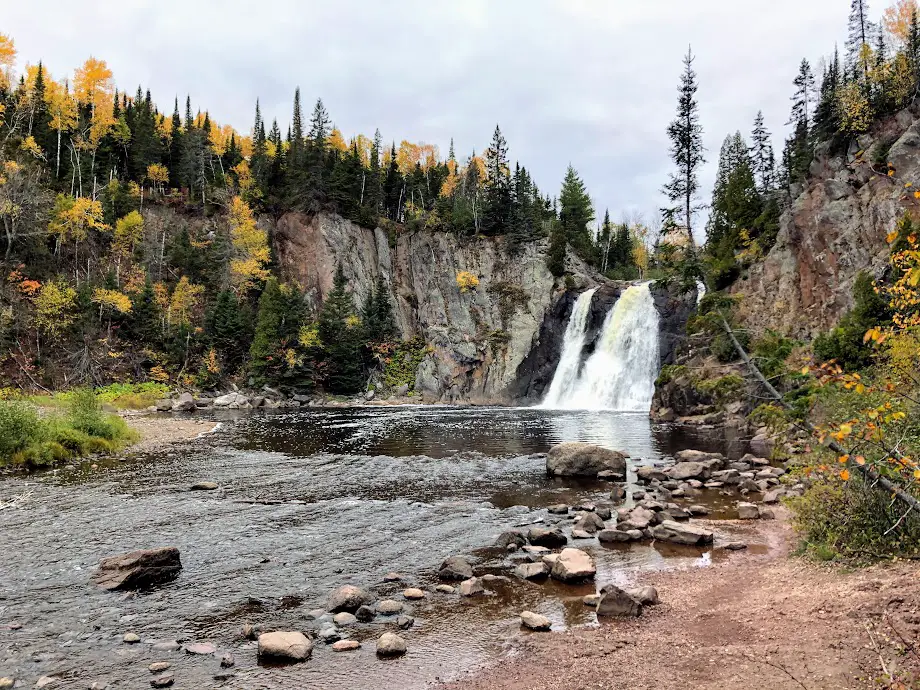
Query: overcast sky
591, 82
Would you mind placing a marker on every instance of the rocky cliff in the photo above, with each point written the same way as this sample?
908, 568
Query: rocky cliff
479, 336
835, 228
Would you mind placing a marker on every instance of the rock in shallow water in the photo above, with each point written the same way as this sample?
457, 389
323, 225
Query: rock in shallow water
535, 621
471, 587
413, 593
584, 459
158, 666
389, 607
391, 644
348, 598
681, 533
164, 681
532, 571
344, 618
199, 648
346, 646
616, 602
573, 565
547, 538
138, 569
292, 646
455, 568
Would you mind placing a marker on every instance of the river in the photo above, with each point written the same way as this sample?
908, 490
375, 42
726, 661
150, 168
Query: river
309, 500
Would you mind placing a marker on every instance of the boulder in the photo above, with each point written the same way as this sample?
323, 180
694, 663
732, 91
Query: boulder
697, 456
164, 405
471, 587
162, 681
535, 621
455, 568
590, 523
532, 571
404, 622
603, 511
348, 598
613, 535
391, 644
505, 539
346, 646
345, 618
414, 593
184, 403
639, 518
618, 493
689, 470
748, 511
389, 607
648, 473
647, 596
681, 533
573, 565
735, 546
585, 460
293, 646
138, 569
698, 510
581, 534
547, 538
616, 602
365, 614
559, 509
762, 446
230, 399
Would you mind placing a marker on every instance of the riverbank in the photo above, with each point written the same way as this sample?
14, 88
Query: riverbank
752, 621
156, 431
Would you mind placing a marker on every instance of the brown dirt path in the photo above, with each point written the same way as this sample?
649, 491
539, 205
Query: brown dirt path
751, 621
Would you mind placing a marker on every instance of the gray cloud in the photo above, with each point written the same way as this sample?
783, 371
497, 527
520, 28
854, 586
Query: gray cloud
591, 82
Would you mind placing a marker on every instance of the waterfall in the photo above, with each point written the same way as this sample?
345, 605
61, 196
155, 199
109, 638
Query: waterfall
566, 375
620, 374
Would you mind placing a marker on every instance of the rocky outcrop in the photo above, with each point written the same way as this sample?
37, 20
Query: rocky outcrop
835, 228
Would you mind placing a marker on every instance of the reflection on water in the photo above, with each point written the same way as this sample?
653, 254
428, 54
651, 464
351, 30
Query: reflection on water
309, 500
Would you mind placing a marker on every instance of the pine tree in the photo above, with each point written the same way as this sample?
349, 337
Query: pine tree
373, 197
267, 337
555, 257
802, 99
340, 333
144, 324
861, 31
736, 203
827, 119
576, 213
763, 159
496, 214
377, 314
177, 177
392, 188
686, 136
226, 328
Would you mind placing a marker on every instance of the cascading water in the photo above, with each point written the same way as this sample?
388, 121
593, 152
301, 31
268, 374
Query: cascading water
566, 376
620, 374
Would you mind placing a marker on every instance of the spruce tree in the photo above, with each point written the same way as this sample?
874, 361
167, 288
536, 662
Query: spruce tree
226, 329
827, 119
763, 160
377, 314
144, 324
373, 197
861, 32
804, 83
392, 188
686, 135
576, 213
266, 341
340, 333
496, 215
555, 257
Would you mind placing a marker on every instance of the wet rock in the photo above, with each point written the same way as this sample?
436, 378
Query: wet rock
204, 486
391, 644
590, 523
231, 399
445, 589
166, 646
492, 577
535, 550
637, 496
613, 536
471, 587
648, 473
199, 648
164, 681
573, 565
292, 646
138, 569
227, 660
647, 596
455, 568
365, 614
735, 546
314, 614
131, 638
158, 666
604, 511
515, 537
329, 634
639, 518
532, 571
748, 511
346, 646
766, 514
344, 618
389, 607
773, 496
547, 538
584, 459
618, 494
392, 577
616, 602
535, 621
561, 509
184, 403
698, 456
591, 600
404, 622
681, 533
689, 470
348, 598
413, 593
762, 445
698, 510
550, 559
581, 534
46, 681
164, 405
224, 675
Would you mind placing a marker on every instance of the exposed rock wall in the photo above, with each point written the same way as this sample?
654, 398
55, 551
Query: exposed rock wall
480, 337
835, 228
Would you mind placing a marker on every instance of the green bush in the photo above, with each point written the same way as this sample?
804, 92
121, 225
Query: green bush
852, 521
844, 344
670, 372
85, 414
723, 389
20, 427
771, 351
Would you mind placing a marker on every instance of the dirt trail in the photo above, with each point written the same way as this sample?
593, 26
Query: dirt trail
752, 621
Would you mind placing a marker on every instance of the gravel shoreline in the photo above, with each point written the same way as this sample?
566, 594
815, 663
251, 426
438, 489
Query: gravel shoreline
157, 431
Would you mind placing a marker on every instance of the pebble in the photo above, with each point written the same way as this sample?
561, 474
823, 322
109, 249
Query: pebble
163, 681
735, 546
414, 593
131, 638
591, 600
392, 577
204, 486
227, 660
404, 622
346, 646
389, 607
158, 666
6, 683
445, 589
166, 646
45, 681
202, 648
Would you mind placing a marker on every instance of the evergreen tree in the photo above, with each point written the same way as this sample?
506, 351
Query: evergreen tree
373, 197
861, 31
763, 160
377, 314
555, 257
177, 177
227, 329
496, 214
826, 118
392, 188
686, 135
802, 99
576, 213
144, 324
340, 333
267, 337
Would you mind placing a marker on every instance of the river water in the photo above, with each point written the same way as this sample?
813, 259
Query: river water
309, 500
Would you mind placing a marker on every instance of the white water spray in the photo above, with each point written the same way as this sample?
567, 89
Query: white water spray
566, 376
620, 374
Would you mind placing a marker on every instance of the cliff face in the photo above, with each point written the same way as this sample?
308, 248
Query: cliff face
835, 228
479, 337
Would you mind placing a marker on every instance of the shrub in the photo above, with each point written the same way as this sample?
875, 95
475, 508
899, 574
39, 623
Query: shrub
845, 343
771, 351
20, 427
670, 372
466, 281
723, 389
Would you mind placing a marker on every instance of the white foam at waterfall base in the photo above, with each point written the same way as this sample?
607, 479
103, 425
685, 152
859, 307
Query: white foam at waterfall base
620, 373
566, 375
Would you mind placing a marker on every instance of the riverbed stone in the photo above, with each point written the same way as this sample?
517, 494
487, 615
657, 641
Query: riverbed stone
511, 537
616, 602
535, 550
293, 646
158, 666
365, 614
648, 473
534, 621
345, 618
414, 593
697, 456
163, 681
348, 598
681, 533
138, 569
689, 470
131, 638
166, 646
546, 537
46, 681
647, 596
735, 546
550, 559
404, 622
748, 511
590, 523
560, 509
639, 518
199, 648
329, 634
581, 534
391, 644
584, 459
591, 600
227, 660
532, 571
184, 403
471, 587
445, 589
613, 536
455, 568
346, 646
573, 565
698, 510
204, 486
392, 577
389, 607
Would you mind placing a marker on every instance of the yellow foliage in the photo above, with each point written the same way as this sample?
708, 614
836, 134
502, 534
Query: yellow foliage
183, 302
74, 218
855, 109
112, 300
61, 106
7, 60
157, 175
466, 281
159, 374
352, 322
250, 247
129, 230
337, 141
54, 308
309, 336
897, 20
30, 146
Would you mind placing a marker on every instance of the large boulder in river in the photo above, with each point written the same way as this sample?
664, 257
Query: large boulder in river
584, 460
455, 568
138, 569
391, 644
548, 538
184, 403
616, 602
697, 456
348, 598
290, 646
689, 470
681, 533
573, 565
